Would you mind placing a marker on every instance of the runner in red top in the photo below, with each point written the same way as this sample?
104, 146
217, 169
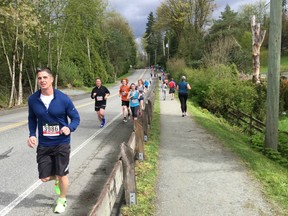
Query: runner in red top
172, 86
123, 93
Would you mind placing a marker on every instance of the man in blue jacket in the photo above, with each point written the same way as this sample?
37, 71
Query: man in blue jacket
49, 110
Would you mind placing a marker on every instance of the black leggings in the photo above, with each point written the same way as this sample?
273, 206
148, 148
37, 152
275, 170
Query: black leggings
183, 99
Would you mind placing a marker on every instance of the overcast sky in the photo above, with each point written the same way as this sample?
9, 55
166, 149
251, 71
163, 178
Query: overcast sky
137, 11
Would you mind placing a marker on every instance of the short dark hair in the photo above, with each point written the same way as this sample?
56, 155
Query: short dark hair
45, 69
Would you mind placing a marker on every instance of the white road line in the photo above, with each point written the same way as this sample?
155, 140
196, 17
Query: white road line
93, 136
33, 187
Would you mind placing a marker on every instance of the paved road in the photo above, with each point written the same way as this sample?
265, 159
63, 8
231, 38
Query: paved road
198, 176
94, 152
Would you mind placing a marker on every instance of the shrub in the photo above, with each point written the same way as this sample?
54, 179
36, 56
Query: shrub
176, 67
283, 95
69, 74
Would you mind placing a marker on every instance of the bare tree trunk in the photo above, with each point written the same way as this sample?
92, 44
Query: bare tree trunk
258, 36
29, 80
11, 69
59, 53
20, 84
13, 88
88, 51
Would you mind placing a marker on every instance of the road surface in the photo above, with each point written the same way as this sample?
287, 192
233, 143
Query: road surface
93, 154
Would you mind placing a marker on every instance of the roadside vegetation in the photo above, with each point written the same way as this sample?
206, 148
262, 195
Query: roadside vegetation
79, 42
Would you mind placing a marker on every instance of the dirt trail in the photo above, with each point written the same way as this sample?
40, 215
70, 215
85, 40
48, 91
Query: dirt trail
198, 176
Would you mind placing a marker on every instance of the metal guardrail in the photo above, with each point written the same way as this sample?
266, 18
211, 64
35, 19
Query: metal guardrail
123, 172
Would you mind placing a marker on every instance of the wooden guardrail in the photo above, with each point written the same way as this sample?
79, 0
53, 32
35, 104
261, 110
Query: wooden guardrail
123, 172
248, 119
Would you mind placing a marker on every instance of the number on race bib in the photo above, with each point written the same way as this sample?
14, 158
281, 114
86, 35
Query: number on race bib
51, 130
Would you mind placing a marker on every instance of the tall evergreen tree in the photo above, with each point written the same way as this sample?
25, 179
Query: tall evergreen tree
151, 38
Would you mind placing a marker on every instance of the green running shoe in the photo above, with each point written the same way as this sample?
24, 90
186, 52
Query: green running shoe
61, 204
56, 187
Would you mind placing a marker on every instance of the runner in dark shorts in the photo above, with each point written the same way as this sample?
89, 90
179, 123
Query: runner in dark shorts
54, 132
100, 93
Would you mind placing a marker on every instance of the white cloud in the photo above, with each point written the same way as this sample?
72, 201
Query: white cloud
136, 12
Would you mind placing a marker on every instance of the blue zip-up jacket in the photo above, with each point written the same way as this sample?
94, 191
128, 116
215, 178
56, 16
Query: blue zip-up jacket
60, 108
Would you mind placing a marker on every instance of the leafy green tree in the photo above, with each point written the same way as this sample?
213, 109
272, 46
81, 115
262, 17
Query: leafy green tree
186, 20
120, 43
85, 40
151, 39
17, 23
226, 25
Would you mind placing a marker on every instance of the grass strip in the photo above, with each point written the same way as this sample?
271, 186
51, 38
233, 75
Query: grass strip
146, 171
272, 176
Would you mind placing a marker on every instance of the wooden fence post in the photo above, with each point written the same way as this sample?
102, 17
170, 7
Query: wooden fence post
139, 134
149, 112
251, 124
127, 155
145, 124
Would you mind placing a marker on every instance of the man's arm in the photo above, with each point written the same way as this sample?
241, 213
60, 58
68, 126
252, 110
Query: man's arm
107, 94
32, 120
32, 125
93, 94
74, 116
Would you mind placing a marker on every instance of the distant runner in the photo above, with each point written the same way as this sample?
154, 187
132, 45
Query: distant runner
182, 89
100, 93
172, 86
141, 89
123, 93
164, 90
134, 103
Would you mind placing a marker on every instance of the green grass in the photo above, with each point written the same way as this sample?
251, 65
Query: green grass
272, 177
283, 67
146, 171
283, 124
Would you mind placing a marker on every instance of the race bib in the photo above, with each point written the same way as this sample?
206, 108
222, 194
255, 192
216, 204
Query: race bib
51, 130
99, 98
134, 100
123, 93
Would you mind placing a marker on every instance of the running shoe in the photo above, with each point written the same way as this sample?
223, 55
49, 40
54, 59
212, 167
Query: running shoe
103, 123
183, 115
125, 119
61, 205
56, 187
129, 114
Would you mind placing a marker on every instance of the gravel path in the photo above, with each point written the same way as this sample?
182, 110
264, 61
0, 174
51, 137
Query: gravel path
198, 176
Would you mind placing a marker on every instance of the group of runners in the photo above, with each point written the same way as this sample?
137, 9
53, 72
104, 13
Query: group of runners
132, 99
182, 87
49, 110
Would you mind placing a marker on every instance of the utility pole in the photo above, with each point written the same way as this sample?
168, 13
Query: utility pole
273, 78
